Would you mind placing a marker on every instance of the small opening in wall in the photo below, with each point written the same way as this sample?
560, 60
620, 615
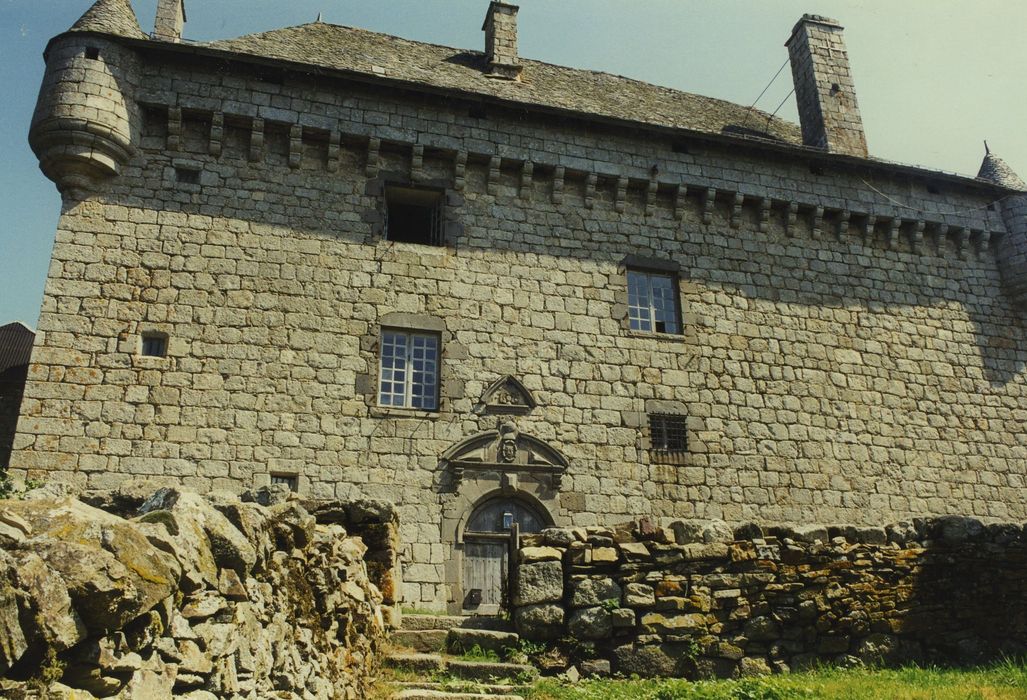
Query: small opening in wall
290, 480
154, 345
680, 147
668, 433
933, 189
414, 215
187, 176
816, 169
477, 112
92, 53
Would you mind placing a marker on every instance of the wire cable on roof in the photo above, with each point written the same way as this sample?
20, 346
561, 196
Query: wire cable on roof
780, 105
749, 111
958, 212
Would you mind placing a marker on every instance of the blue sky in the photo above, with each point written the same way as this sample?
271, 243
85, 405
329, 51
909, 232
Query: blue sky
934, 78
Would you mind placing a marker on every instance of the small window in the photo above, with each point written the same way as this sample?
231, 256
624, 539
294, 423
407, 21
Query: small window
187, 176
92, 53
653, 302
409, 370
154, 345
414, 215
290, 480
667, 433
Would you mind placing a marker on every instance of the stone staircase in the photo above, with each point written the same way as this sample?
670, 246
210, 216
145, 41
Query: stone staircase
429, 646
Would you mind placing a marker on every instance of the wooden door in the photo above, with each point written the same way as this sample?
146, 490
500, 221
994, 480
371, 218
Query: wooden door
486, 566
487, 540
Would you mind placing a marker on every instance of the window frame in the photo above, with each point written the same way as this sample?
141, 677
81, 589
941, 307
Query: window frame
394, 194
664, 446
153, 337
652, 309
408, 395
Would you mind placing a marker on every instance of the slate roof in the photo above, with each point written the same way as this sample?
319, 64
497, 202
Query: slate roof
110, 17
994, 169
544, 85
15, 345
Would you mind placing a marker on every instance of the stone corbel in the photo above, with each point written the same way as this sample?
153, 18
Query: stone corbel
892, 236
650, 195
217, 133
527, 173
620, 198
941, 234
868, 229
736, 209
493, 182
256, 140
843, 223
791, 218
916, 241
460, 170
334, 151
558, 176
295, 146
818, 222
174, 128
417, 163
374, 146
590, 190
961, 235
709, 198
680, 196
765, 214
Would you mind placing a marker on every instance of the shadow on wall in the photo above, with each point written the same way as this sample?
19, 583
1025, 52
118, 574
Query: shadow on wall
702, 601
12, 386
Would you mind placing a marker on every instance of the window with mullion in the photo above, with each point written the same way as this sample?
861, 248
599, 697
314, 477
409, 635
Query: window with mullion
409, 373
652, 302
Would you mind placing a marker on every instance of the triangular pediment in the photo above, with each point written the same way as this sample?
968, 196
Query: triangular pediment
505, 448
508, 395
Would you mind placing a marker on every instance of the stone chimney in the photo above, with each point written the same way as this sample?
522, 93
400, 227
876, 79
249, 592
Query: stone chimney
501, 41
828, 111
170, 20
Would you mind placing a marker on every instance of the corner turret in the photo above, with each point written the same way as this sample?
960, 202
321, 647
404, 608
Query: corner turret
85, 114
1012, 248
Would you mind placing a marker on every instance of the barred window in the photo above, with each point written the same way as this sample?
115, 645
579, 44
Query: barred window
409, 370
154, 345
290, 480
667, 433
653, 302
414, 215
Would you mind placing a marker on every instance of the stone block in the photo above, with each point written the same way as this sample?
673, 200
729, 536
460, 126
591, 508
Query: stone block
590, 623
540, 622
541, 582
593, 591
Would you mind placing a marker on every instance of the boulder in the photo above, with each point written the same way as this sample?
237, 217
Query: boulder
56, 623
594, 591
12, 639
590, 623
541, 582
539, 622
717, 532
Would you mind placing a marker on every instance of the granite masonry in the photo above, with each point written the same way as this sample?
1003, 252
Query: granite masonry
507, 295
701, 600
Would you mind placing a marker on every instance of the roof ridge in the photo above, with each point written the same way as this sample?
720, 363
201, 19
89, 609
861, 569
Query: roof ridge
110, 17
296, 49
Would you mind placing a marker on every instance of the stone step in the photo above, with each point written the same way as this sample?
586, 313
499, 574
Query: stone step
424, 641
460, 668
490, 689
424, 694
446, 622
418, 663
461, 640
488, 670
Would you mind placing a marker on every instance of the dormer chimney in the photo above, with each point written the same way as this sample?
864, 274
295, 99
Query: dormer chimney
170, 20
501, 41
824, 91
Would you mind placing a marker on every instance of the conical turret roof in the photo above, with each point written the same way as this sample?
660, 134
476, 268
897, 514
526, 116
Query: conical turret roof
996, 170
110, 17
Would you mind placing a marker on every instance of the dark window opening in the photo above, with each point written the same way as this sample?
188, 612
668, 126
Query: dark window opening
667, 433
414, 216
933, 190
154, 345
680, 147
477, 112
290, 480
816, 169
187, 176
92, 53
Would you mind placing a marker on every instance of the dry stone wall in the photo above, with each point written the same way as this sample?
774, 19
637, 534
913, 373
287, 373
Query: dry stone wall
700, 600
839, 361
191, 597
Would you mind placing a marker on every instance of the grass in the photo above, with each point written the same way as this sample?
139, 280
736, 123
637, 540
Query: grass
1005, 681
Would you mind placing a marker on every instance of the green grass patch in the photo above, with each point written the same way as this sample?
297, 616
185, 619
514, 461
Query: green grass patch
1006, 681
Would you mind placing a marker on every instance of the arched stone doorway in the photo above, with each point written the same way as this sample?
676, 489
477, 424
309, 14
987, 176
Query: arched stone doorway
488, 541
487, 477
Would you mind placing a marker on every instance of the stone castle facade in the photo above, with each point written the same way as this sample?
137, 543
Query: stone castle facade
496, 291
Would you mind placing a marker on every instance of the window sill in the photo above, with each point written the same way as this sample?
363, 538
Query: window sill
395, 412
665, 337
151, 362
